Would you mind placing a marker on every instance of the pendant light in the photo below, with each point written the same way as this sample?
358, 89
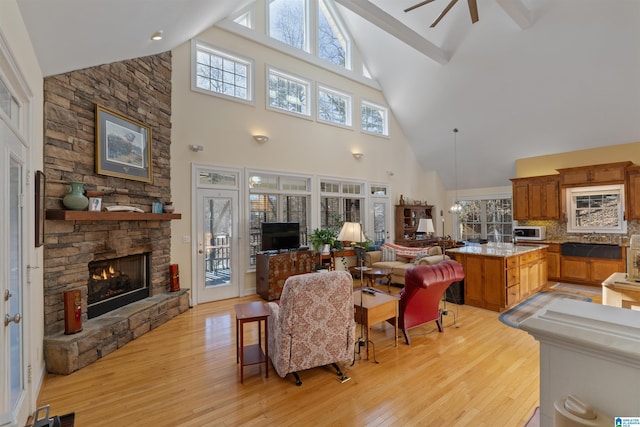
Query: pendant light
456, 207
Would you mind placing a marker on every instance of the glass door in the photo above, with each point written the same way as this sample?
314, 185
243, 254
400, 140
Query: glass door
11, 278
217, 245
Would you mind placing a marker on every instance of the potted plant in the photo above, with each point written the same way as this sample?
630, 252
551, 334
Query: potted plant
322, 239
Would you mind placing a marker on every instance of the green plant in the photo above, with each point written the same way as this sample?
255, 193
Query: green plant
321, 237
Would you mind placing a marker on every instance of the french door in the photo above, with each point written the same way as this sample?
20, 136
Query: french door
12, 278
216, 235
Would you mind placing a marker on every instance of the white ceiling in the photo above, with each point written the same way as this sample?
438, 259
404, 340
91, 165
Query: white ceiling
569, 80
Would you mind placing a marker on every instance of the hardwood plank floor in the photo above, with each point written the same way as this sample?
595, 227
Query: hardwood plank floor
478, 372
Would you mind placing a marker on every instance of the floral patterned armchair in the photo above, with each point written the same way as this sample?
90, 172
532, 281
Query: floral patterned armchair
313, 323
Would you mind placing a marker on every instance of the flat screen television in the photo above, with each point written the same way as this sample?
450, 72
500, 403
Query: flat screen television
277, 236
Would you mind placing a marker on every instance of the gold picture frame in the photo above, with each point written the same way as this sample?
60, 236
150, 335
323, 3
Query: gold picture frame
123, 146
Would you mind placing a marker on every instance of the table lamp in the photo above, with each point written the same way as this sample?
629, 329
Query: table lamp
425, 226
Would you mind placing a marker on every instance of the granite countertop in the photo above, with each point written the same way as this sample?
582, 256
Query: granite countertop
497, 249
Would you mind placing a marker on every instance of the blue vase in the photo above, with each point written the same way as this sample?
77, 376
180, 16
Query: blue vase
76, 200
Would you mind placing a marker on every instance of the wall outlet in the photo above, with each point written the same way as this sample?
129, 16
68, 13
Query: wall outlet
186, 239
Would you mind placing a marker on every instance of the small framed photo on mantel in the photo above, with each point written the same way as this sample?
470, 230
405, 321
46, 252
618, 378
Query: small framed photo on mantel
123, 146
95, 204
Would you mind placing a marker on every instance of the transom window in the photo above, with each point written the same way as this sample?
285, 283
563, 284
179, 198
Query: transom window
222, 73
288, 93
374, 118
334, 106
596, 209
490, 219
8, 104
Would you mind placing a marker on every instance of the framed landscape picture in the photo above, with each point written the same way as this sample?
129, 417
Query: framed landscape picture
123, 146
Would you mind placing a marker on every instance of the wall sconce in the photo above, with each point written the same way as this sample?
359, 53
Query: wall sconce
357, 156
261, 139
156, 36
196, 148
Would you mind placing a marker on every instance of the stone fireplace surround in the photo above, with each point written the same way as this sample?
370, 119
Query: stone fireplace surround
139, 88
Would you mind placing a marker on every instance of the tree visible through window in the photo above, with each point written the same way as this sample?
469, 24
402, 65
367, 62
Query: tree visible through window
486, 219
288, 93
334, 107
332, 43
374, 118
287, 22
222, 73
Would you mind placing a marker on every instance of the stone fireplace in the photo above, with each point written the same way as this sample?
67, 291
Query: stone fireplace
116, 282
78, 244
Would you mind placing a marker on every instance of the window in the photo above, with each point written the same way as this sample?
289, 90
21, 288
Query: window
288, 22
222, 73
245, 19
374, 119
340, 202
334, 107
276, 197
596, 209
490, 219
333, 44
8, 104
288, 93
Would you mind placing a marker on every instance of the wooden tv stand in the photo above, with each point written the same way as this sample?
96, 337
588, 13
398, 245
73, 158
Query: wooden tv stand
273, 269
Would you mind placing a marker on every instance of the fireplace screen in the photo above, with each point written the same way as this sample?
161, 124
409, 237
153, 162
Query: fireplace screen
116, 282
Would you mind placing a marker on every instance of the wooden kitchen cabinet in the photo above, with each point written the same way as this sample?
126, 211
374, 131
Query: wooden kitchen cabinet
609, 173
592, 271
553, 261
536, 198
632, 193
499, 282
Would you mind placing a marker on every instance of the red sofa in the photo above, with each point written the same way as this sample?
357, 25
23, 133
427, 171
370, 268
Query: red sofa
423, 289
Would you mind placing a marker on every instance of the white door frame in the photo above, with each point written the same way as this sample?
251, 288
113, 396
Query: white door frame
16, 143
233, 184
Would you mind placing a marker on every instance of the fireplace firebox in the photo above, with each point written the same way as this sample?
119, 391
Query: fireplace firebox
116, 282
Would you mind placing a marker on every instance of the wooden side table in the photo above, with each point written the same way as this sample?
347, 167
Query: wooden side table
374, 274
252, 354
375, 309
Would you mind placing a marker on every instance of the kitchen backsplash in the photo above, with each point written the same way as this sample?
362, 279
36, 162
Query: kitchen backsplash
557, 231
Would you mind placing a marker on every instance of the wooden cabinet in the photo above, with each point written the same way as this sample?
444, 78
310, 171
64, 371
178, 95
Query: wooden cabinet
609, 173
632, 193
536, 198
273, 269
553, 261
497, 283
592, 271
407, 218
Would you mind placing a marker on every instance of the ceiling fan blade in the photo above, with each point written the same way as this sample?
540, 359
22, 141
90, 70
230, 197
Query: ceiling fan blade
444, 12
415, 6
473, 10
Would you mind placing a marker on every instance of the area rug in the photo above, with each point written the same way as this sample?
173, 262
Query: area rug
514, 316
577, 288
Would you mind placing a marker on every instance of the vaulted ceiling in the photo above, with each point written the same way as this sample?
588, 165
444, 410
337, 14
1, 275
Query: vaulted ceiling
531, 77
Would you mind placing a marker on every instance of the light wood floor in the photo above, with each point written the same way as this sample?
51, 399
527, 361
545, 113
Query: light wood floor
478, 372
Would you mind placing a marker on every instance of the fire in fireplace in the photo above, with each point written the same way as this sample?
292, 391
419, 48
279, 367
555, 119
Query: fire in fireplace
114, 283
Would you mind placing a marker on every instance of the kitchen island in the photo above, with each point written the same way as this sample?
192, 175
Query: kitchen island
500, 275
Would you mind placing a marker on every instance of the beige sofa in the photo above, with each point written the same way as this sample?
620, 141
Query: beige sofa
405, 257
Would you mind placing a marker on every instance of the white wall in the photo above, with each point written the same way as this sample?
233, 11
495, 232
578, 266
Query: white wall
225, 129
13, 31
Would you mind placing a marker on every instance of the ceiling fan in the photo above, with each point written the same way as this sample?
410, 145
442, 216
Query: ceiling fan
473, 10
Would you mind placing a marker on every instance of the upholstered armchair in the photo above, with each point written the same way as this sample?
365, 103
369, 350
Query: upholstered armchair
423, 289
312, 325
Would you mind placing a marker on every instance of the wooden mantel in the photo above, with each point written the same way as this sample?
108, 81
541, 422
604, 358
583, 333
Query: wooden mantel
68, 215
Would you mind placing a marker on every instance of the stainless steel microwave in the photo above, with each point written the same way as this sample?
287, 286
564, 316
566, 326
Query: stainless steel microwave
532, 232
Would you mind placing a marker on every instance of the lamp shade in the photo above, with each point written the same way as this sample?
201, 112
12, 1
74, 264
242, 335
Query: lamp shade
351, 232
425, 226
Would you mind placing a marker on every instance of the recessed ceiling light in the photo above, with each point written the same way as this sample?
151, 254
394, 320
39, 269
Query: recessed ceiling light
157, 35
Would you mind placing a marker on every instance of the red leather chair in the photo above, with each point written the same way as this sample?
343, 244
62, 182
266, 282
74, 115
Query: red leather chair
420, 298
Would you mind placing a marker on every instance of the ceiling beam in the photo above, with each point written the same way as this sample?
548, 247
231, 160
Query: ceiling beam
517, 11
391, 25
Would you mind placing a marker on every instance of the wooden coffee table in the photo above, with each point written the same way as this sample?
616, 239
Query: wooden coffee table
374, 274
375, 309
